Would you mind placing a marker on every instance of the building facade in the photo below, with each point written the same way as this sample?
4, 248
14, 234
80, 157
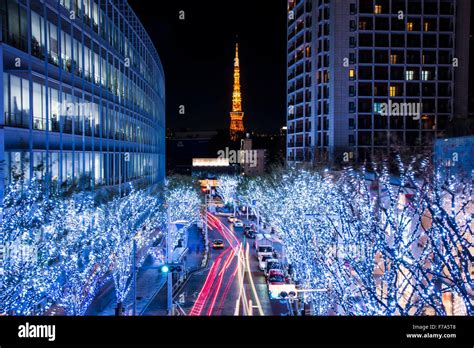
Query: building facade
83, 95
368, 77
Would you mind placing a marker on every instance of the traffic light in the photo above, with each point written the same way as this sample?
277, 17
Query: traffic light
173, 268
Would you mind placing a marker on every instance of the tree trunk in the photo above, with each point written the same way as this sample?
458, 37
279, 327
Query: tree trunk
119, 309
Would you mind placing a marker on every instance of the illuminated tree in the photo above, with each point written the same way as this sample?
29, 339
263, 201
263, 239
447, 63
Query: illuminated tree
227, 188
391, 245
183, 204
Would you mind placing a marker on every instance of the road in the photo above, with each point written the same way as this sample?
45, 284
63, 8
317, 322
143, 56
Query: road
232, 284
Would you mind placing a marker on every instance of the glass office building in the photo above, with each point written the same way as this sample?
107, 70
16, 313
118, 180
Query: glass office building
83, 95
351, 60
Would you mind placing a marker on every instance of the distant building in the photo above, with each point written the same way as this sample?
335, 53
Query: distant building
212, 168
252, 161
182, 147
368, 76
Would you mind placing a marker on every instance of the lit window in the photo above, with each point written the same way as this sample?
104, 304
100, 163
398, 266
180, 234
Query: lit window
425, 75
351, 73
377, 108
426, 26
410, 26
393, 91
326, 77
409, 75
393, 59
378, 9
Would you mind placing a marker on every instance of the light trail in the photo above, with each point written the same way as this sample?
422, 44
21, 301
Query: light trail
252, 285
221, 266
204, 294
219, 281
229, 284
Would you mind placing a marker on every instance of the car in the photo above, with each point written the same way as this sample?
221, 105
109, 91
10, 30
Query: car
264, 250
249, 234
272, 264
278, 284
276, 277
231, 219
217, 244
262, 262
238, 224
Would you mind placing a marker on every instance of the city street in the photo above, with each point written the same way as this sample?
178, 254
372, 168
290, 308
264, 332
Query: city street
232, 284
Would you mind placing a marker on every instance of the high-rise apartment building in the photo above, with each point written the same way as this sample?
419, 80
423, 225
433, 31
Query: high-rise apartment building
366, 77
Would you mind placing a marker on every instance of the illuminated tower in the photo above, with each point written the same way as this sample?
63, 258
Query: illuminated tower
236, 116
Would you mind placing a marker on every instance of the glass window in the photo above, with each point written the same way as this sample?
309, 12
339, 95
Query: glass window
54, 109
351, 73
87, 7
393, 91
13, 28
96, 69
66, 51
78, 57
38, 112
95, 17
55, 166
53, 44
103, 75
39, 165
6, 89
37, 38
15, 101
87, 68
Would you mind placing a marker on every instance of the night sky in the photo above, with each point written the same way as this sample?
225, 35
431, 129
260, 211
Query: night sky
197, 56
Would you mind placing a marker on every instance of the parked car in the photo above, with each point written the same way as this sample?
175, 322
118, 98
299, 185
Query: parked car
217, 244
276, 277
272, 264
278, 284
262, 262
264, 250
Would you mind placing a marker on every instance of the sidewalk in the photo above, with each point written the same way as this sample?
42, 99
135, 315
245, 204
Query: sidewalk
194, 258
196, 246
149, 281
151, 292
